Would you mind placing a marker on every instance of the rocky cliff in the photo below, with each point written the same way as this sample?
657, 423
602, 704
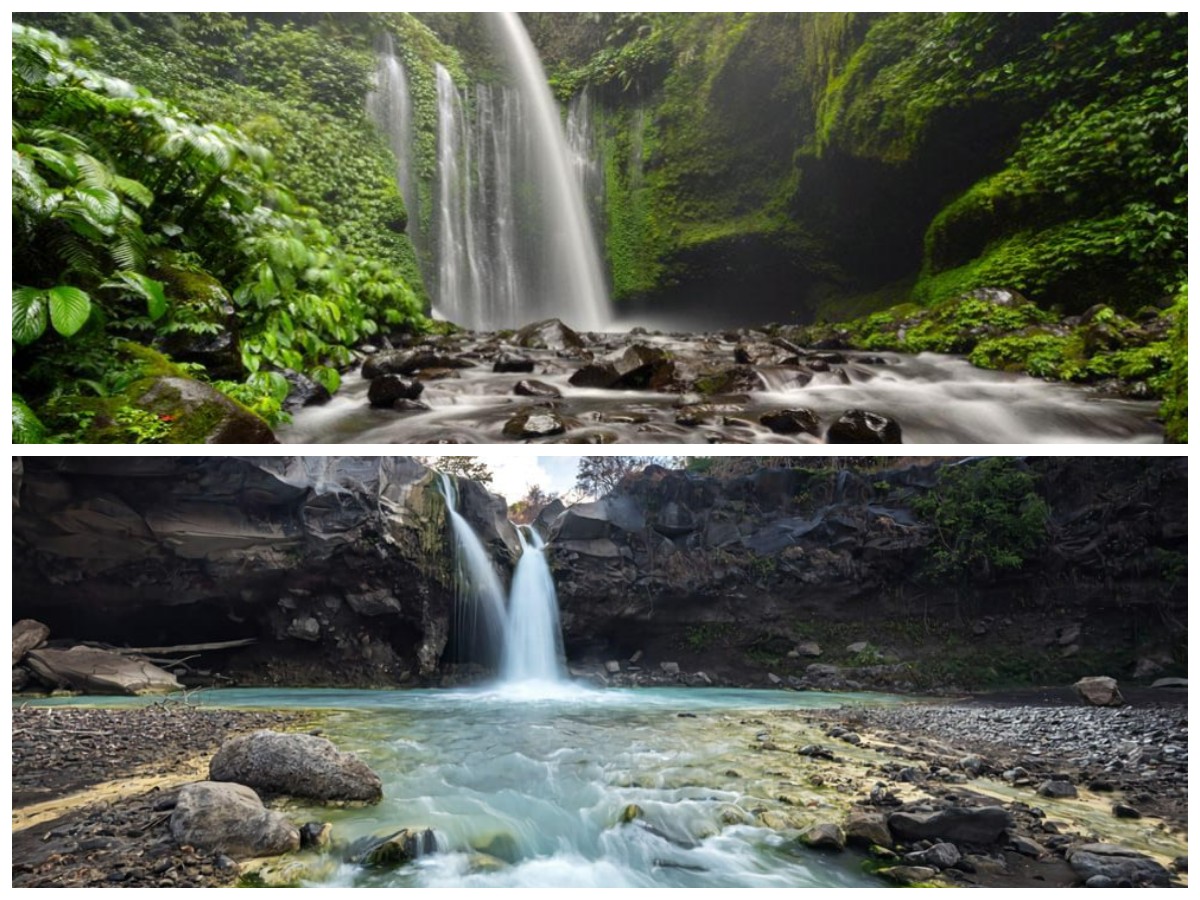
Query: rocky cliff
341, 570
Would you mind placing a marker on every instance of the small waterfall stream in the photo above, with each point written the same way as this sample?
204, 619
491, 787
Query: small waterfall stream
526, 637
390, 106
532, 637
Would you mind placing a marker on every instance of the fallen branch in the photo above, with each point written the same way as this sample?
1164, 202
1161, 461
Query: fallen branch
178, 648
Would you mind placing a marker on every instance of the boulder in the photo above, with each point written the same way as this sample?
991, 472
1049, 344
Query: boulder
304, 628
549, 334
957, 824
1099, 690
299, 765
595, 375
858, 426
1118, 864
377, 602
387, 389
644, 367
612, 667
530, 387
1171, 683
675, 520
940, 856
791, 421
316, 835
1057, 790
27, 634
669, 668
230, 819
20, 679
808, 648
908, 874
1125, 811
95, 671
534, 423
399, 848
406, 362
824, 836
1146, 668
867, 829
762, 353
303, 391
201, 414
508, 363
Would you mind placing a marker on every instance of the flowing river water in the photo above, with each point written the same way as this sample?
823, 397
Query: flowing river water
934, 398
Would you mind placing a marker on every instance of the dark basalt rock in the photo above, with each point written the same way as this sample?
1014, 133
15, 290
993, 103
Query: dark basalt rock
791, 421
406, 362
984, 825
1117, 864
644, 367
387, 389
595, 375
530, 387
303, 391
508, 363
534, 424
549, 334
858, 426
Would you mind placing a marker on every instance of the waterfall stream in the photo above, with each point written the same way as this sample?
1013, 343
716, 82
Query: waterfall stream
512, 240
526, 638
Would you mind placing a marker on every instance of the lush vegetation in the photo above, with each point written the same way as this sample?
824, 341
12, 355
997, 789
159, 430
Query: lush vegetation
136, 223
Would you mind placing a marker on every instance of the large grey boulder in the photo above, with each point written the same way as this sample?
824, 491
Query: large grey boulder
867, 828
230, 819
549, 334
1118, 864
299, 765
1099, 690
27, 634
95, 671
957, 824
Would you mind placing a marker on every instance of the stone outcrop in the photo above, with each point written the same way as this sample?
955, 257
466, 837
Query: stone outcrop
1099, 690
298, 765
101, 672
27, 634
231, 819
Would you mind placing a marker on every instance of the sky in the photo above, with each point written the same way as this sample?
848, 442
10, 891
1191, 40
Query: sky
512, 475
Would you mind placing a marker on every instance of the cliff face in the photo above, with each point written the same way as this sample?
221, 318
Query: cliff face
733, 576
341, 568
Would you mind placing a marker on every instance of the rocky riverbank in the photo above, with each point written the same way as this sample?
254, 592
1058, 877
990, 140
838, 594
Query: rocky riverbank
93, 791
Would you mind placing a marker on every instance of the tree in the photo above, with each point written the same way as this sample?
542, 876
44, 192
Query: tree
471, 468
525, 510
986, 516
599, 476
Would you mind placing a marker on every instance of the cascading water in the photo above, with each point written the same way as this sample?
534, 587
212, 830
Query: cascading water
585, 157
512, 239
479, 612
532, 637
390, 106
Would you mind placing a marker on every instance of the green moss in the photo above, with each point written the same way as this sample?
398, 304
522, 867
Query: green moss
1174, 408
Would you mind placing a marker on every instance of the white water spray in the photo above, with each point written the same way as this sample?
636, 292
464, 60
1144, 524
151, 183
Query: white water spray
480, 615
532, 637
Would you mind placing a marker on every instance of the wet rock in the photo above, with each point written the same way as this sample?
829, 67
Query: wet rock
1027, 846
1116, 863
20, 679
762, 353
406, 362
509, 363
500, 845
940, 856
387, 389
1125, 811
1099, 690
1171, 684
398, 848
957, 824
95, 671
858, 426
867, 829
1057, 789
530, 387
642, 367
816, 751
549, 334
595, 375
299, 765
406, 405
27, 634
534, 424
824, 836
232, 819
908, 874
612, 667
316, 835
201, 414
631, 812
791, 421
303, 391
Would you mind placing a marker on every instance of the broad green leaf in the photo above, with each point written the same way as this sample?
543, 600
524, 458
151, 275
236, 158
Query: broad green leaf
327, 377
134, 190
271, 383
103, 205
26, 427
69, 309
28, 314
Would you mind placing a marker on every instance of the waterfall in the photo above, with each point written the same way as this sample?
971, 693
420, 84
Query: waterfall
532, 637
479, 609
390, 106
511, 237
585, 156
